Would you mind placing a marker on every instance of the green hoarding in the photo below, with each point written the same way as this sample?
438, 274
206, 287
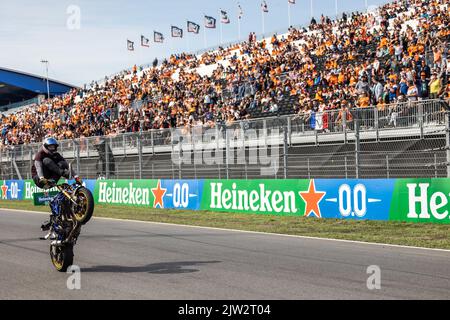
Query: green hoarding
31, 189
126, 192
421, 200
278, 197
43, 198
408, 200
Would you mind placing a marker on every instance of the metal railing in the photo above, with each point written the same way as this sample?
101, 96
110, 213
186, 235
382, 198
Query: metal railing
392, 141
15, 107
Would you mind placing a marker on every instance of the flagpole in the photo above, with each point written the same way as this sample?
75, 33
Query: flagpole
221, 28
312, 13
239, 29
187, 39
204, 37
239, 20
263, 22
289, 13
140, 55
336, 7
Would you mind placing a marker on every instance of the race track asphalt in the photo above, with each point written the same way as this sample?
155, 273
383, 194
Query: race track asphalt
135, 260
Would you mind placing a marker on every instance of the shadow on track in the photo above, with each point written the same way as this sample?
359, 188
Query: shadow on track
158, 268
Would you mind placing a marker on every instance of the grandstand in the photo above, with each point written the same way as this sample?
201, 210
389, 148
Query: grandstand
19, 89
390, 65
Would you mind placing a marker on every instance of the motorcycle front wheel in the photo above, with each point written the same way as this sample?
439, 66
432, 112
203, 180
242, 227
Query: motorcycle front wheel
62, 257
85, 208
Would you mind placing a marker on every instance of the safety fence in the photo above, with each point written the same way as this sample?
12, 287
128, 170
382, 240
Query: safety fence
394, 141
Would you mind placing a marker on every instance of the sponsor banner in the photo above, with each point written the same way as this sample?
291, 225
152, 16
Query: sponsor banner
43, 198
88, 184
408, 200
30, 189
278, 197
129, 192
356, 199
334, 198
162, 194
421, 200
182, 194
12, 189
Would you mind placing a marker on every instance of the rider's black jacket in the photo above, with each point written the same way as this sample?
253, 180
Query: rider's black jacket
39, 161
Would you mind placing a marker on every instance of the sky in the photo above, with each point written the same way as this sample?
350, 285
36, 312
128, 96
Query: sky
86, 40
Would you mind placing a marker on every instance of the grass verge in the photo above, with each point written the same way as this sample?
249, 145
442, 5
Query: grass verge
401, 233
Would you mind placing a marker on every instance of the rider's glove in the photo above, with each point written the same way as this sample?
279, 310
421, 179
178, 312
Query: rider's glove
78, 180
43, 181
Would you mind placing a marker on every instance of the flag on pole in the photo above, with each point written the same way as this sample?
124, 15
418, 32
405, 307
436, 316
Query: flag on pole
291, 1
130, 45
241, 13
224, 17
193, 27
264, 7
158, 37
177, 32
210, 22
145, 42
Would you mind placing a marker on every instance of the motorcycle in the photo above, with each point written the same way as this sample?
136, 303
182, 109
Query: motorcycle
72, 208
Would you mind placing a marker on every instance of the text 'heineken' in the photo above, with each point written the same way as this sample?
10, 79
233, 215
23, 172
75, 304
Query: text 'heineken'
123, 195
437, 202
260, 200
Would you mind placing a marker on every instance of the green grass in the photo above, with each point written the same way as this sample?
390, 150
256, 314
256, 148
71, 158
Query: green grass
402, 233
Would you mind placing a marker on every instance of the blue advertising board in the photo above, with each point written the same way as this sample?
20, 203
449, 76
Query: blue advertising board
12, 189
356, 199
182, 194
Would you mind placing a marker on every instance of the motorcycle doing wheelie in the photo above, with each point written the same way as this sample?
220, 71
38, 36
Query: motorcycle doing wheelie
72, 208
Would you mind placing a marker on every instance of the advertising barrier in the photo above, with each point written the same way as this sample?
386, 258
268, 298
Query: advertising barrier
408, 200
12, 189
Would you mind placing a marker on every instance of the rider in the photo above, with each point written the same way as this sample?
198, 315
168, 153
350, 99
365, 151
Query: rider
49, 166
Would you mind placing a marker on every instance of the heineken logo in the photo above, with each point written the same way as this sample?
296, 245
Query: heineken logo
45, 199
423, 205
123, 195
264, 199
124, 192
31, 189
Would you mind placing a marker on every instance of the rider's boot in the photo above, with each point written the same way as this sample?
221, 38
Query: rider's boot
47, 224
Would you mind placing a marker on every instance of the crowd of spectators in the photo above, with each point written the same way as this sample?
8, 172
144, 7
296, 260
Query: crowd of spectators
397, 53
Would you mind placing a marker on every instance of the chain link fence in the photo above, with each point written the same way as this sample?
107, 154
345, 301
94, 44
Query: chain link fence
399, 140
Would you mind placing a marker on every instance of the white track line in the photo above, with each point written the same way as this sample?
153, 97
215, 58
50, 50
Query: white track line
246, 231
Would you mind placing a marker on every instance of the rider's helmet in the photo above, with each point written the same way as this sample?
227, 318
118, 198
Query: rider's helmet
51, 145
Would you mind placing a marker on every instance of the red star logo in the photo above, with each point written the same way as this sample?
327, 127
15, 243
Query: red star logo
158, 192
312, 199
4, 190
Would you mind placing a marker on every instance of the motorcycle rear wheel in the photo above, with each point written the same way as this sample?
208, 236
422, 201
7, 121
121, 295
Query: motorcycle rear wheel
62, 257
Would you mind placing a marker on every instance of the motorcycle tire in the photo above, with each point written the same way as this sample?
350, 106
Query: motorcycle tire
86, 207
62, 257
